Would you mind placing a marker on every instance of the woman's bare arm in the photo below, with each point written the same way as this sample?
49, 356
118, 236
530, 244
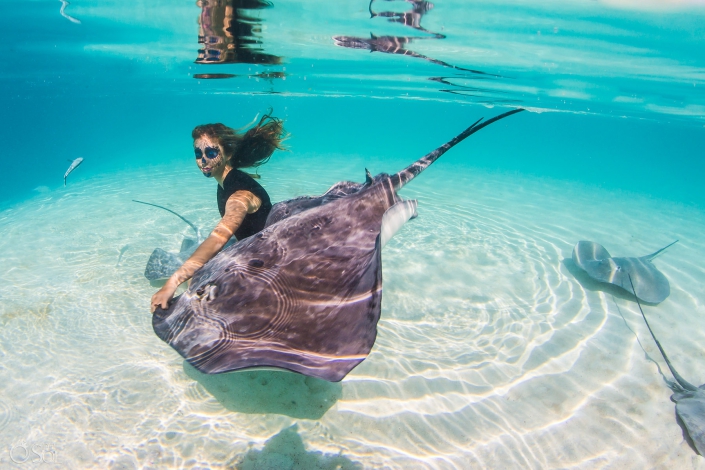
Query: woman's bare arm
237, 207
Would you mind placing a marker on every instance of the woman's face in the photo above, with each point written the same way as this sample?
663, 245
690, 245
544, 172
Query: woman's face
209, 156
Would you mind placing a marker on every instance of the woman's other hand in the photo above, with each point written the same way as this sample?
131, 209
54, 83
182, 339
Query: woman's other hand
162, 297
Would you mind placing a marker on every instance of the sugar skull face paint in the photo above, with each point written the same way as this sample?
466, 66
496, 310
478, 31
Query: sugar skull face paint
209, 155
209, 152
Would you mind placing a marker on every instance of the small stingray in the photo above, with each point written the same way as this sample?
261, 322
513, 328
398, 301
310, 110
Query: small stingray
162, 264
303, 294
650, 284
689, 399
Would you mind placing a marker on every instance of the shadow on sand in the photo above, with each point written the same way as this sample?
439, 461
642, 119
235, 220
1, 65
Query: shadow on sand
270, 391
286, 451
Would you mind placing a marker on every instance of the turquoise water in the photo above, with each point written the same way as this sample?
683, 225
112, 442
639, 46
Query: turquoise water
491, 351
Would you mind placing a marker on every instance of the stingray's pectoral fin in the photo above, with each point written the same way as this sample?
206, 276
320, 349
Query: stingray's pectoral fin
690, 407
395, 217
188, 246
161, 265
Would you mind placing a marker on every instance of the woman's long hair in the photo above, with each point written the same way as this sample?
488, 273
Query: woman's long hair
248, 150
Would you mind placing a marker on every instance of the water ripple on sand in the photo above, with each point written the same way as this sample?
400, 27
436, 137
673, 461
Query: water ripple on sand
6, 415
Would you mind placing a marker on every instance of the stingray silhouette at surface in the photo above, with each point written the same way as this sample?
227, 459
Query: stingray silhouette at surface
411, 18
399, 44
303, 294
689, 399
650, 283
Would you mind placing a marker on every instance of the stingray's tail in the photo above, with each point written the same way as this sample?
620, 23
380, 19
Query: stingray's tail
681, 381
410, 172
656, 253
195, 229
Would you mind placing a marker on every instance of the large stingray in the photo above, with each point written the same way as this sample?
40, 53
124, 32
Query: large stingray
162, 264
303, 294
689, 399
650, 283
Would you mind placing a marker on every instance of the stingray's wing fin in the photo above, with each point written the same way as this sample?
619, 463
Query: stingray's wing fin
161, 265
395, 217
315, 314
188, 246
656, 253
650, 284
690, 407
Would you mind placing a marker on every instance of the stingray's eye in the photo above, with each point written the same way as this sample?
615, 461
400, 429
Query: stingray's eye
207, 292
212, 291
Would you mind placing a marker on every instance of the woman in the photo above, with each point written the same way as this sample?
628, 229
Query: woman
242, 202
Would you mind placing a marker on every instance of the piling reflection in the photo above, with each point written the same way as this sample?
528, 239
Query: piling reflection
229, 33
398, 44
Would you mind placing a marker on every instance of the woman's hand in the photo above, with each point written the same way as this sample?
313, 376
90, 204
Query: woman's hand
162, 297
236, 208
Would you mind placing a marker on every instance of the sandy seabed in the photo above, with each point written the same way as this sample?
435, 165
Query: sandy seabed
493, 350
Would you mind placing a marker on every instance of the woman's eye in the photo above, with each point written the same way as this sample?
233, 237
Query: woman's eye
211, 153
198, 153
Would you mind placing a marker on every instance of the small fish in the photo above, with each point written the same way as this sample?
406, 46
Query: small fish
122, 252
74, 165
64, 4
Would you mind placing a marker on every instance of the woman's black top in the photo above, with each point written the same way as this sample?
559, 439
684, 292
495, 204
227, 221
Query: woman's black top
237, 180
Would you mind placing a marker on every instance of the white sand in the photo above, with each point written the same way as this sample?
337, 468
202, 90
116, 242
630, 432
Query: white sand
489, 354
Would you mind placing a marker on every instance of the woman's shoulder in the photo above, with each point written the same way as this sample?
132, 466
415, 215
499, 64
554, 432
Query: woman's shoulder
238, 178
